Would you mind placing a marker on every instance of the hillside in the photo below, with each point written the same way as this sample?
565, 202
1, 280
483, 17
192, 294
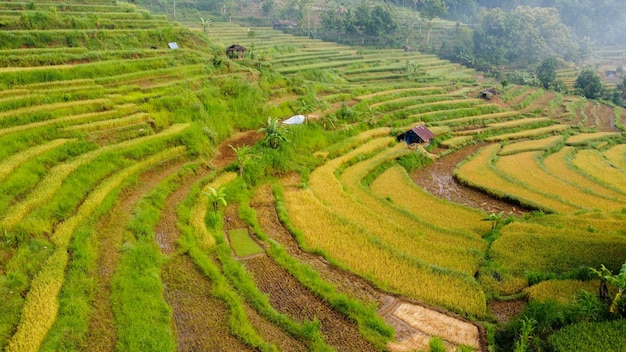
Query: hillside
141, 208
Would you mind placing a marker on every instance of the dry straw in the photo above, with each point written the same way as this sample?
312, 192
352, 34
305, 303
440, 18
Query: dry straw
531, 145
480, 172
593, 164
339, 238
559, 164
526, 169
617, 156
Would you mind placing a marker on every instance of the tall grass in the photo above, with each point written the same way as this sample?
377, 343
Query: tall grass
41, 306
68, 120
532, 248
40, 113
51, 183
11, 163
70, 329
23, 178
590, 336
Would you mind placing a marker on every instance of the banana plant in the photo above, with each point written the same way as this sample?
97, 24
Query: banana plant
216, 197
619, 281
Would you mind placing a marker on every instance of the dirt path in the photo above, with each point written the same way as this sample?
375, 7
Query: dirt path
438, 179
414, 323
102, 335
225, 154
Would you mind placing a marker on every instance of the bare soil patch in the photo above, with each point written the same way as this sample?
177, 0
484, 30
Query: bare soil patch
505, 310
605, 120
438, 179
288, 296
166, 231
225, 155
201, 320
102, 335
589, 113
542, 102
273, 334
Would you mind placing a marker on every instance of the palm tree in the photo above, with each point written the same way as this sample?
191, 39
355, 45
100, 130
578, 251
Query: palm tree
217, 197
274, 135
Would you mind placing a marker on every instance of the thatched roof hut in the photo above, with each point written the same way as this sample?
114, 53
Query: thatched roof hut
235, 51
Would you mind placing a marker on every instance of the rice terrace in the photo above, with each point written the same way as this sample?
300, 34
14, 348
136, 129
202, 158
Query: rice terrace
151, 200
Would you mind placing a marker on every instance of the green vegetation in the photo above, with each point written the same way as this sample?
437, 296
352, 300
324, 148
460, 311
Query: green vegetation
103, 125
242, 244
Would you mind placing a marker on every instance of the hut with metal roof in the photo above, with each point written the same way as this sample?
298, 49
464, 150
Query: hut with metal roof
418, 134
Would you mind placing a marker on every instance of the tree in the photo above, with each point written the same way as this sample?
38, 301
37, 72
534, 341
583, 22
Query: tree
546, 72
589, 84
268, 7
251, 35
244, 156
431, 9
274, 135
524, 36
216, 197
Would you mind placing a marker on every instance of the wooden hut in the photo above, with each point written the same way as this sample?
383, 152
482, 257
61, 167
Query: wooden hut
418, 134
235, 51
488, 94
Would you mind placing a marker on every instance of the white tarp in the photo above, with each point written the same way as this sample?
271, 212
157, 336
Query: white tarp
295, 120
173, 45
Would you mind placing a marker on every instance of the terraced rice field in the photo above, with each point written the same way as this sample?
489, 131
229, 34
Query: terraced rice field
110, 139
